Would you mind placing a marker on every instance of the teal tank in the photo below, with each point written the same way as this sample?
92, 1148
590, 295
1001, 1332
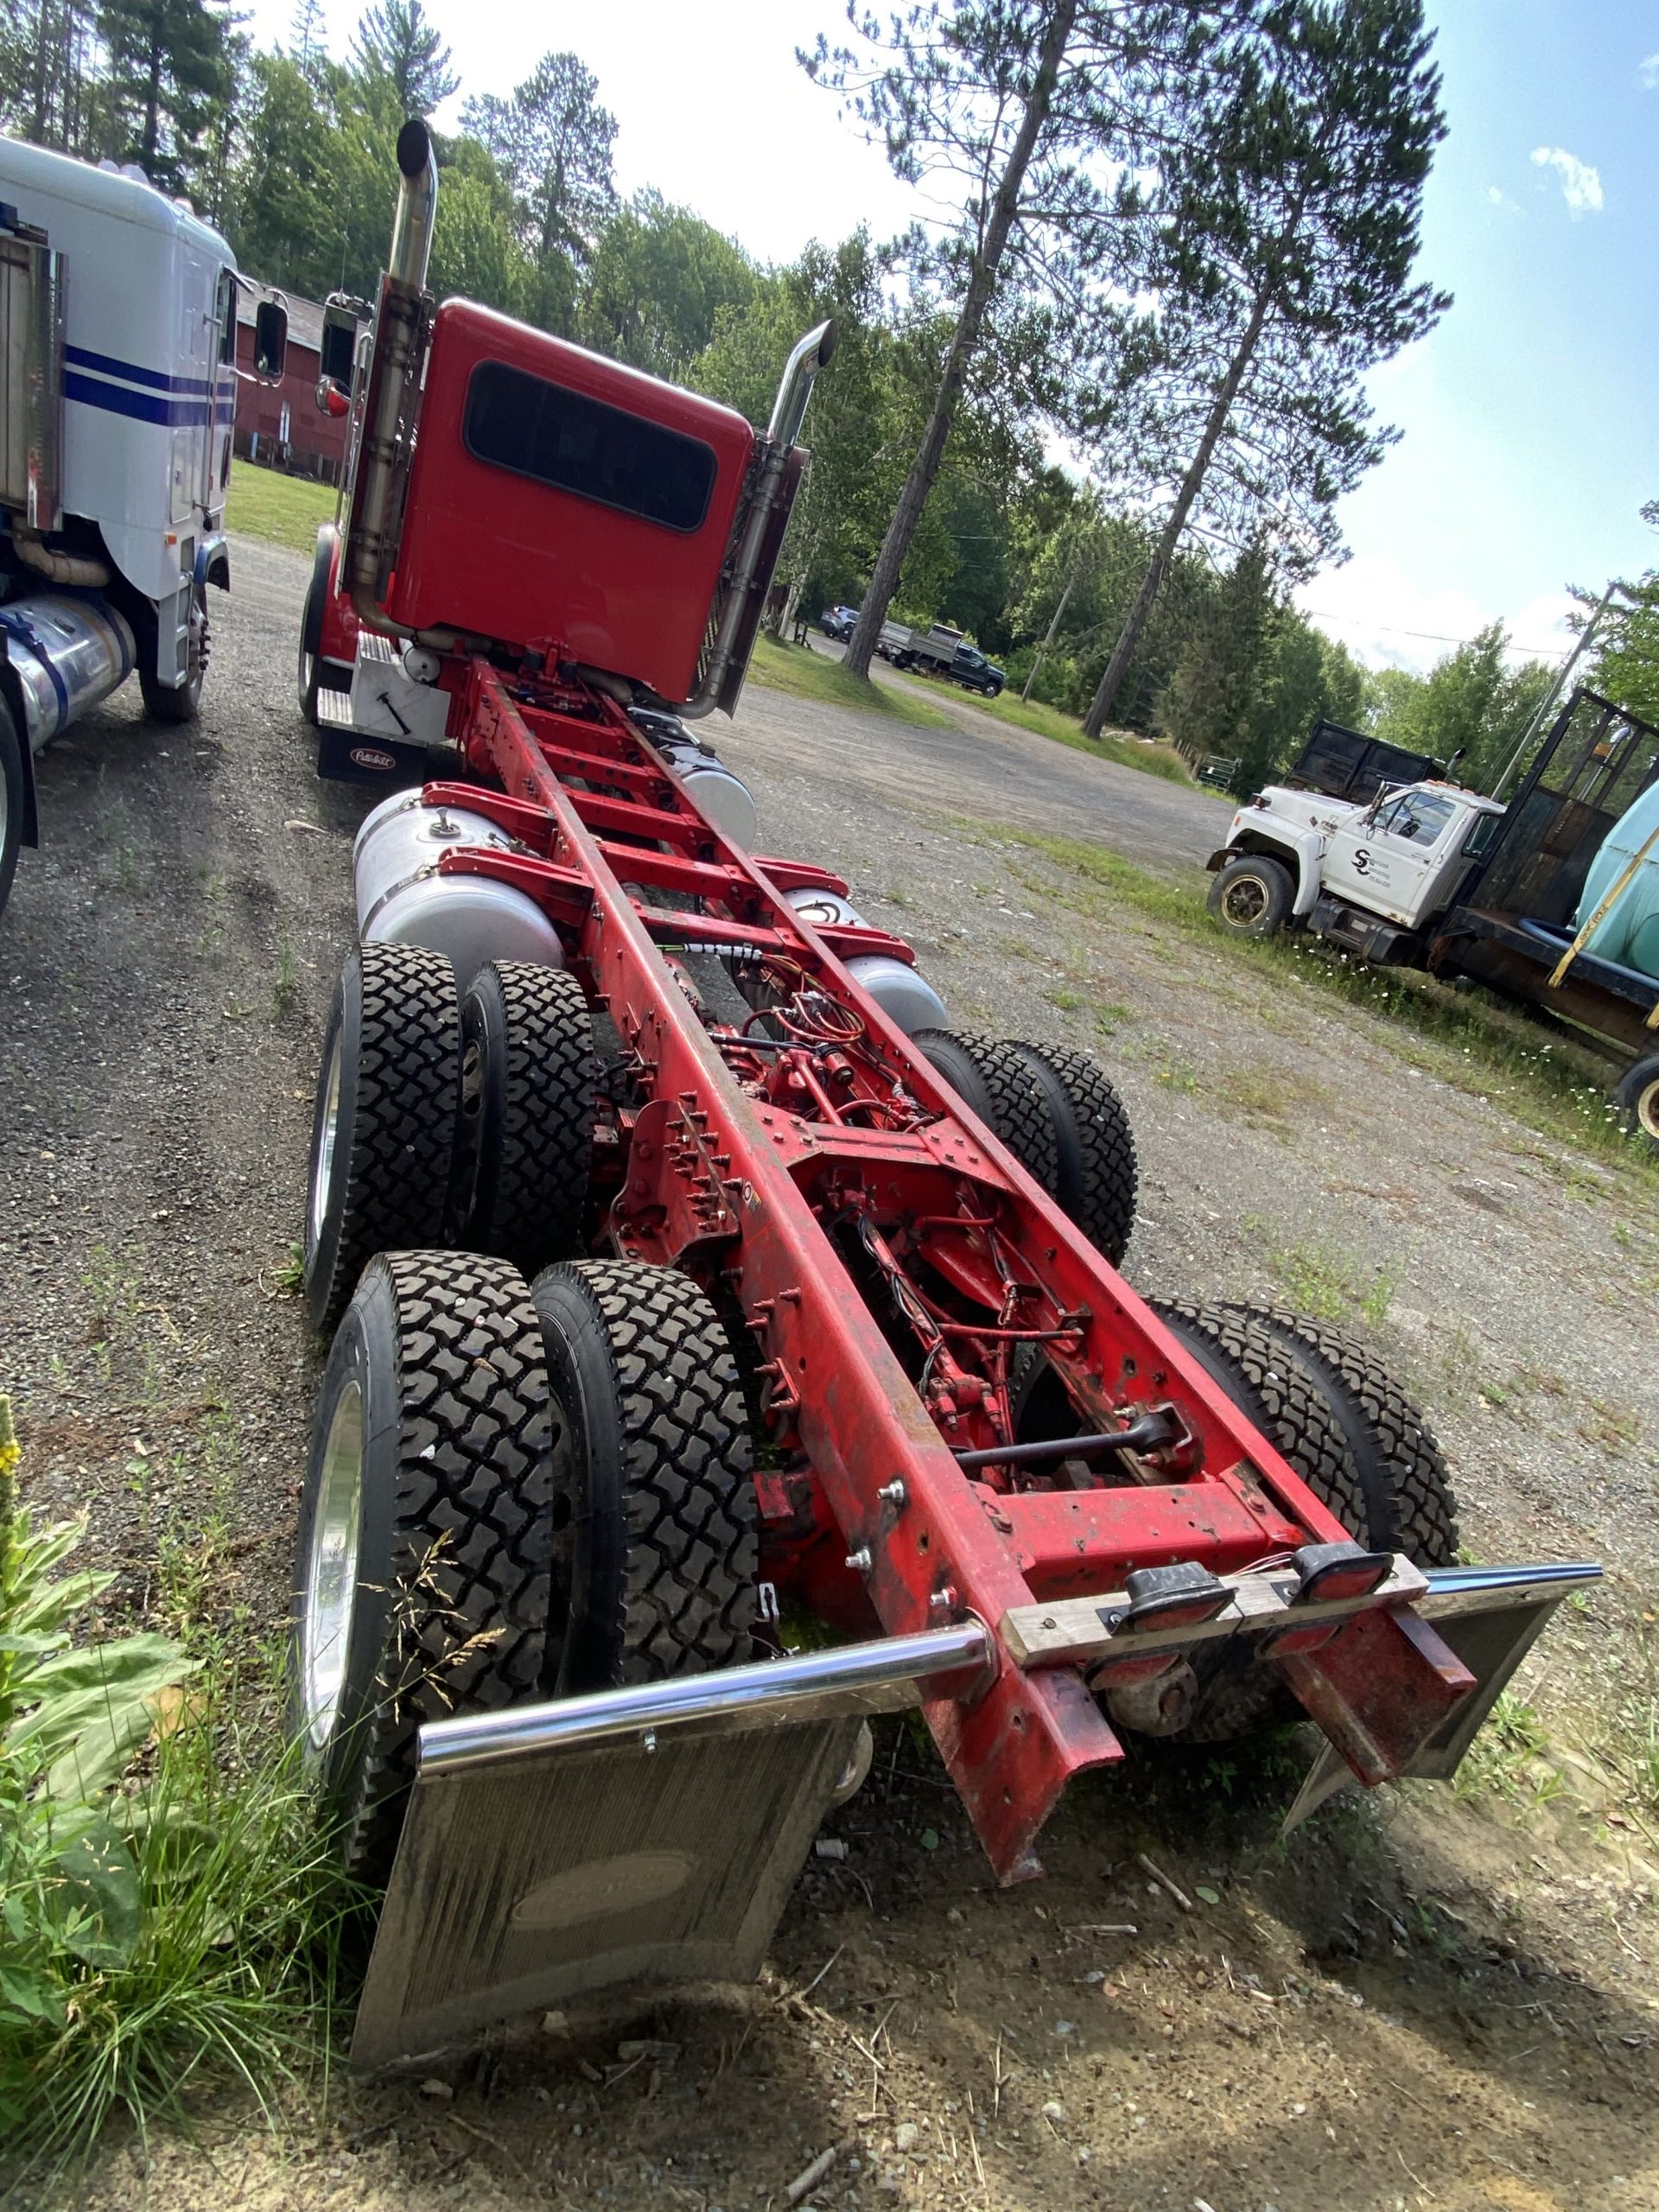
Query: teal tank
1628, 931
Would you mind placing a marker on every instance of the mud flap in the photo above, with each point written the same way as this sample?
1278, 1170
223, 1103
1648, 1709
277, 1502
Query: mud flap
649, 1833
1489, 1618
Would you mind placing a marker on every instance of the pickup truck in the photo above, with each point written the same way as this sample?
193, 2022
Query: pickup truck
941, 651
1433, 875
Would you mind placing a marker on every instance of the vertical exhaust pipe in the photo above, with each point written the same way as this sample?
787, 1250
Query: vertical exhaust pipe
417, 205
788, 413
370, 544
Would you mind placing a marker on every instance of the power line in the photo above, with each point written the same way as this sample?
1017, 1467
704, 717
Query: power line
1433, 637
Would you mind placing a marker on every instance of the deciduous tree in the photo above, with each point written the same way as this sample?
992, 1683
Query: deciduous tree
1627, 664
1475, 701
657, 282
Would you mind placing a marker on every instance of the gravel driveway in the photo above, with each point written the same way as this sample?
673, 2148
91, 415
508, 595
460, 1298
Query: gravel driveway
1438, 2001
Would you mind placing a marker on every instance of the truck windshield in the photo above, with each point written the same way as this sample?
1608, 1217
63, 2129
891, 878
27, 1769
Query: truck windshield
522, 423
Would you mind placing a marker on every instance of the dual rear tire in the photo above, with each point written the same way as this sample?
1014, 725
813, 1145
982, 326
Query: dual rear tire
442, 1119
1059, 1116
514, 1491
1329, 1408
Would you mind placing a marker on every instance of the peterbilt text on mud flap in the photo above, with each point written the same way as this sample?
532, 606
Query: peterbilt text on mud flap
688, 1277
117, 394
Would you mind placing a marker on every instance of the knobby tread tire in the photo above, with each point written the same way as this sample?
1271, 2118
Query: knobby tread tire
1000, 1086
523, 1163
1019, 1108
1410, 1504
397, 1021
1098, 1177
948, 1055
1235, 1696
682, 1592
453, 1572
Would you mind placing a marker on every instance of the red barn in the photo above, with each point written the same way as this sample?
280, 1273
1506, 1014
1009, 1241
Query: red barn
280, 424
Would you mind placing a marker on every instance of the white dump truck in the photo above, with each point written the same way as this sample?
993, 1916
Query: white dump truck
1374, 878
117, 397
1551, 900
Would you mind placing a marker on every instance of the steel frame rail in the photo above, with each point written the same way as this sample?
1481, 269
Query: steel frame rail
866, 1515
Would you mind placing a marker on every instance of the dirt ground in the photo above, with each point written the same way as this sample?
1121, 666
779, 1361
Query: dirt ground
1431, 1999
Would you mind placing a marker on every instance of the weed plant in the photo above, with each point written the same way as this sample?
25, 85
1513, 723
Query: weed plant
174, 1920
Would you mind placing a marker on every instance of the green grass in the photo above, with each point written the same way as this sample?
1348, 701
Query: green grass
806, 675
1467, 1039
174, 1915
283, 510
1160, 760
1319, 1279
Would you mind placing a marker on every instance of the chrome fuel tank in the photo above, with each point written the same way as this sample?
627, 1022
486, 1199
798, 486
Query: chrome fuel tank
69, 654
904, 994
402, 898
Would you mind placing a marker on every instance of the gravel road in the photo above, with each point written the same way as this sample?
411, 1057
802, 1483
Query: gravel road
985, 770
1436, 2001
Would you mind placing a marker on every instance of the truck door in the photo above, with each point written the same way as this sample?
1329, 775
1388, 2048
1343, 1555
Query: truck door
221, 407
1389, 859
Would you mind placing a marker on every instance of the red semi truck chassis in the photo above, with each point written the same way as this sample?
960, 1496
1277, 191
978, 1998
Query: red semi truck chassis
687, 1285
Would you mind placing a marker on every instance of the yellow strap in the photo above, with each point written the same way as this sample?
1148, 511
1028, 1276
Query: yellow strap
1574, 950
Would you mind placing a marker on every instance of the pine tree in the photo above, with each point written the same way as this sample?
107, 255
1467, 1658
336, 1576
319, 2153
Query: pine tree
1279, 246
308, 39
398, 43
169, 71
1026, 105
552, 141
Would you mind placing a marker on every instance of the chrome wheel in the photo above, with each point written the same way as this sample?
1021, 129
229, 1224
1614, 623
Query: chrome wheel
331, 1568
322, 1163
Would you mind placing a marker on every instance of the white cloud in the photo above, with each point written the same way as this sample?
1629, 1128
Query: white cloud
1581, 184
1500, 199
1647, 73
1388, 621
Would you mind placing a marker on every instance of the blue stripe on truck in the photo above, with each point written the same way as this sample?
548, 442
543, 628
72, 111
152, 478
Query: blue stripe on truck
141, 406
80, 357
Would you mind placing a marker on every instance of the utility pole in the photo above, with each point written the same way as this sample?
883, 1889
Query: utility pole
1053, 627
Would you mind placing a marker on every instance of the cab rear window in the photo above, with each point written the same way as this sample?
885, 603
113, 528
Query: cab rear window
522, 423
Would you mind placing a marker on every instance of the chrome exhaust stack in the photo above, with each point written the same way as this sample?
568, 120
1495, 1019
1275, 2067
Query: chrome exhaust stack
762, 530
371, 548
417, 205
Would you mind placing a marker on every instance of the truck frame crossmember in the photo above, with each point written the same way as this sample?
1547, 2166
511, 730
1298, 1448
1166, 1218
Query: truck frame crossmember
892, 1263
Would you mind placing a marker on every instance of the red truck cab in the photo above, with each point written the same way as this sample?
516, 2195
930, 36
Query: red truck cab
557, 495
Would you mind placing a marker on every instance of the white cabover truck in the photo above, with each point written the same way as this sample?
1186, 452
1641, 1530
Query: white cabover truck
1375, 879
117, 395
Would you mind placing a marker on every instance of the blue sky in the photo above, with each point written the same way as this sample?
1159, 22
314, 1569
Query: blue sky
1531, 430
1530, 416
